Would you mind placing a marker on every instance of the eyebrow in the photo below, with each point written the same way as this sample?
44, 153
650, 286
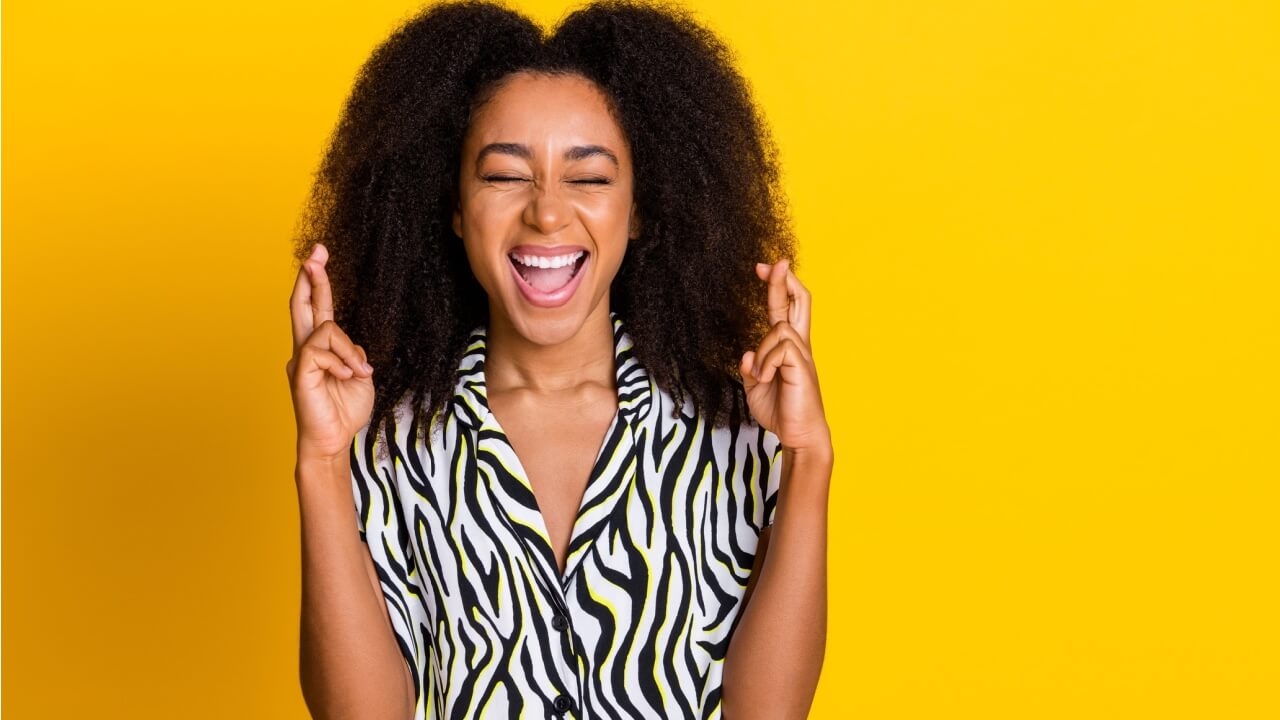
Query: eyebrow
577, 152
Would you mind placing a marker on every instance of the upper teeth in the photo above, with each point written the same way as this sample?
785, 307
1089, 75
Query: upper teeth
548, 262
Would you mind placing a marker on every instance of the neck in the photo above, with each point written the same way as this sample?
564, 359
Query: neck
585, 358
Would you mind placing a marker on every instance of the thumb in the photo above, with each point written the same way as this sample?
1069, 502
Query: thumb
744, 369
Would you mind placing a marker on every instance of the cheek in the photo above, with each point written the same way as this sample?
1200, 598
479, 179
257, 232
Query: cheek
606, 217
486, 225
485, 214
480, 236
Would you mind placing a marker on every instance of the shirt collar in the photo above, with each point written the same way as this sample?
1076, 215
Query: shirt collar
470, 396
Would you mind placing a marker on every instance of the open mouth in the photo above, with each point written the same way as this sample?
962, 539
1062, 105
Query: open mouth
547, 275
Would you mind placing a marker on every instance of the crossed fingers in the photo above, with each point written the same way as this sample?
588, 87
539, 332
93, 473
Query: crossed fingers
311, 312
312, 300
789, 299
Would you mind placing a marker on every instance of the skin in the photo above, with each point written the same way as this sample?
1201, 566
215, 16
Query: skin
545, 199
554, 363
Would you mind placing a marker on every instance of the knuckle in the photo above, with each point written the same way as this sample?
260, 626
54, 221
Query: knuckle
311, 350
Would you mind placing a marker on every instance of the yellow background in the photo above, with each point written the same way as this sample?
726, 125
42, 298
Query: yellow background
1043, 245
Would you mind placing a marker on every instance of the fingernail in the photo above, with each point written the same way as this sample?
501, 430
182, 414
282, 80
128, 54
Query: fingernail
368, 368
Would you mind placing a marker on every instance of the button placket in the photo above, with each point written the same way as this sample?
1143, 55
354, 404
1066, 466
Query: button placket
564, 701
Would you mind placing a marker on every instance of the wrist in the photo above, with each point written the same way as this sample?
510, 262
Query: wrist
312, 455
818, 454
317, 464
806, 476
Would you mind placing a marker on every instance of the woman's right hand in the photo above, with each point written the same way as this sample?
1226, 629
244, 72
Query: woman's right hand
331, 387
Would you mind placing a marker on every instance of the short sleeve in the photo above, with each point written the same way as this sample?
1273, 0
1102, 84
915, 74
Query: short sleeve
381, 523
770, 454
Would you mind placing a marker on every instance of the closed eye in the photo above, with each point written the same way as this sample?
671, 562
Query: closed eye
508, 178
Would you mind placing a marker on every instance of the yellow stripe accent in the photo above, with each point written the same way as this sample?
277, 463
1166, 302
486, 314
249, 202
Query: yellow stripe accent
496, 685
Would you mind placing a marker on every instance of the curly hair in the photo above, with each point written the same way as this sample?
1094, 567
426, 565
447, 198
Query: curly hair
706, 188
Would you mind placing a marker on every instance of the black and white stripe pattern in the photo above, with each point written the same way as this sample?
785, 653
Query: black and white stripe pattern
638, 625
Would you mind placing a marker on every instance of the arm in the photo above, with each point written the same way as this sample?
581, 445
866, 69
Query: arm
775, 656
349, 663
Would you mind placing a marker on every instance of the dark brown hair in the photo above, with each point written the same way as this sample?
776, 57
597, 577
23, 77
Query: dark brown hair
707, 190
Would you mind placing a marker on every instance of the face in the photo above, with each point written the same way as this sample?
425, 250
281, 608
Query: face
545, 205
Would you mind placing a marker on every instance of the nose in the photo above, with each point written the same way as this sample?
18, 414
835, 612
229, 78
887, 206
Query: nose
546, 210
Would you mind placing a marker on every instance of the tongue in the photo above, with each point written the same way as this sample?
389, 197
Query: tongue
548, 279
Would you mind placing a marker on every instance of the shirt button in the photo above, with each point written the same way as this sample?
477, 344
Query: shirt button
561, 703
558, 622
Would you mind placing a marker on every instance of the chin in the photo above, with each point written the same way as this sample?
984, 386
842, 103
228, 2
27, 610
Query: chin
549, 327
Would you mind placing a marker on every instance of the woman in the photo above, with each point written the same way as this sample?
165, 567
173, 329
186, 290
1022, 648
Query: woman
594, 405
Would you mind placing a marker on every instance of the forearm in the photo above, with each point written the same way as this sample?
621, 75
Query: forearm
349, 663
775, 656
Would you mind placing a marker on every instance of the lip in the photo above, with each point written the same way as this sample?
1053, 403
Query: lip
557, 298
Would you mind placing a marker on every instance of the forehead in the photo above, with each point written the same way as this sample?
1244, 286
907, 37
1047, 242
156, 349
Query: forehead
546, 110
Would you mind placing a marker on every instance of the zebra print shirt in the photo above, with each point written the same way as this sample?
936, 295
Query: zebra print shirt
663, 544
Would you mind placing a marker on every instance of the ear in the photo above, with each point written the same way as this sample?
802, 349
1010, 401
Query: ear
633, 223
457, 220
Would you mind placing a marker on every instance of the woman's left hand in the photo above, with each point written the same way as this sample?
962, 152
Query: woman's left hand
779, 376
